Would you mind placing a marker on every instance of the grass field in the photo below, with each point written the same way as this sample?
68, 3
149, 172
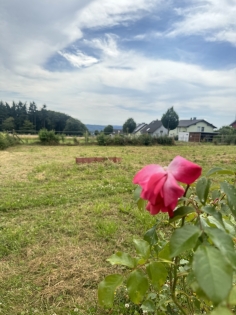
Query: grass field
60, 221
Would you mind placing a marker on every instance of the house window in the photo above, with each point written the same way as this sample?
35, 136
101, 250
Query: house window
198, 128
202, 129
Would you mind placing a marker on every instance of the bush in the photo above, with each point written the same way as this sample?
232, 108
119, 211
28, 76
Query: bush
102, 139
48, 137
7, 140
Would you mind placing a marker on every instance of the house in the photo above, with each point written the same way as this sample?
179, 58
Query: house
137, 130
155, 128
197, 129
233, 124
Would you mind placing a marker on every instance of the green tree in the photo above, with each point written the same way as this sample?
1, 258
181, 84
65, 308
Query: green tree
75, 126
108, 129
227, 130
170, 119
129, 126
96, 132
27, 127
8, 124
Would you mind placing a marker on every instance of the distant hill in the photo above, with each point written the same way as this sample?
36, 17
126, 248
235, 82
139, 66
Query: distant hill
92, 128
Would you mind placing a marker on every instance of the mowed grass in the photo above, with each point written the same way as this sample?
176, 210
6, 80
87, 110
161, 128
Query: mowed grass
60, 221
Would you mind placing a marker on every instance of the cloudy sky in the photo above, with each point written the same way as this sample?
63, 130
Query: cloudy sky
103, 61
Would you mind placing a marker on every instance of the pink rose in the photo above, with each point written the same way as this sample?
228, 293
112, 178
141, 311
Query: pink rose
160, 187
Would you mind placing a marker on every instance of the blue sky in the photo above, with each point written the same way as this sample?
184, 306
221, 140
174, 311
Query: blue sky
104, 61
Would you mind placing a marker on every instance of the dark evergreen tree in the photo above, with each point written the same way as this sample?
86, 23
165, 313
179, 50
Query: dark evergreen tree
8, 124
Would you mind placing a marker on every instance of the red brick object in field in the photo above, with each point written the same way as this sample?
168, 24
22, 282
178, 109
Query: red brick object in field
80, 160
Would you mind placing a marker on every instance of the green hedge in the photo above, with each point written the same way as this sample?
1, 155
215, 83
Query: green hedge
144, 139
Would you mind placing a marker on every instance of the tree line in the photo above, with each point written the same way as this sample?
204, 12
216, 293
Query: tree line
25, 118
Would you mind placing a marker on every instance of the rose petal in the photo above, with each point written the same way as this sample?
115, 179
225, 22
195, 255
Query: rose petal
142, 177
153, 187
171, 191
184, 171
153, 209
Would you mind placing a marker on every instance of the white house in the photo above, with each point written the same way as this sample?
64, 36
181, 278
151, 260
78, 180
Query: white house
193, 125
138, 129
155, 128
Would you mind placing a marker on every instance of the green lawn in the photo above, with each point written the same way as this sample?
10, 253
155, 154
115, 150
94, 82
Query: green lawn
60, 221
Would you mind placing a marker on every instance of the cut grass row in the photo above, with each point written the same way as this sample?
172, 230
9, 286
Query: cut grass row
60, 221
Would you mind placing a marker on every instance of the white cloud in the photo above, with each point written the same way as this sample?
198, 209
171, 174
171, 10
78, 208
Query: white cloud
79, 59
129, 85
103, 13
33, 31
213, 19
107, 45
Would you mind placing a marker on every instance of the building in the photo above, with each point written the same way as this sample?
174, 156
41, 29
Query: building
233, 124
155, 128
198, 129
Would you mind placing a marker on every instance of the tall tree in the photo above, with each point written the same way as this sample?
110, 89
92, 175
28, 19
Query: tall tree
27, 127
129, 126
75, 126
108, 129
170, 119
8, 124
32, 112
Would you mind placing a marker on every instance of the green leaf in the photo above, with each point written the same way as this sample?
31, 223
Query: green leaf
137, 285
214, 213
224, 208
137, 193
219, 170
151, 236
157, 273
232, 296
184, 239
124, 259
209, 210
142, 248
202, 189
224, 243
230, 192
215, 223
213, 273
106, 289
215, 194
140, 202
181, 212
221, 310
164, 253
229, 227
148, 306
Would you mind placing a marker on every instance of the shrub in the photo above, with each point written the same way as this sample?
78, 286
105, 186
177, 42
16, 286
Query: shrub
102, 139
48, 137
6, 140
145, 139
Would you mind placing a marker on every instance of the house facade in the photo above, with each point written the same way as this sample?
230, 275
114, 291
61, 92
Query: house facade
192, 126
155, 128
